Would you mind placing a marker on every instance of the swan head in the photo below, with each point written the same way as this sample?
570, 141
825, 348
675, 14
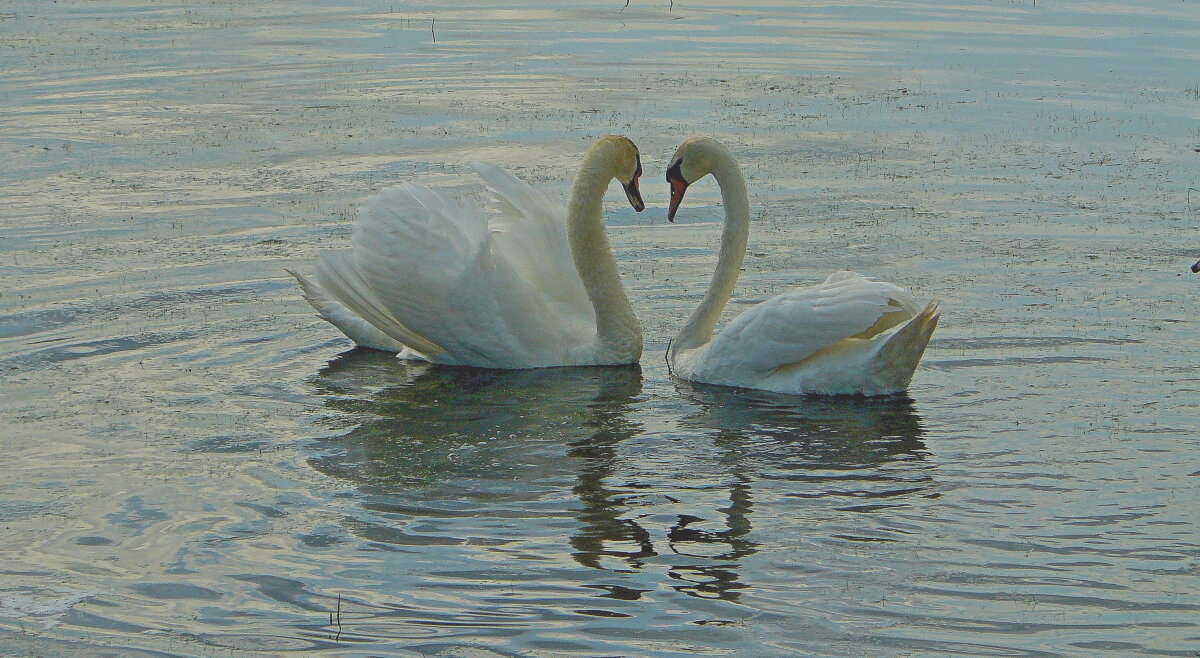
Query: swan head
1196, 266
624, 164
693, 160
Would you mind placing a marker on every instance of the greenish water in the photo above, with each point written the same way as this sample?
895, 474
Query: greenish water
196, 465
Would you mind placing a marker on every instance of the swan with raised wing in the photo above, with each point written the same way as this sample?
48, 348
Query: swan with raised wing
518, 284
847, 335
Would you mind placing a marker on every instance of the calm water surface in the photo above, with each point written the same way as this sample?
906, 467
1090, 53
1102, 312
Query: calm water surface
197, 466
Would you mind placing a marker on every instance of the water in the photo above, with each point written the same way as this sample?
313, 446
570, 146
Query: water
196, 465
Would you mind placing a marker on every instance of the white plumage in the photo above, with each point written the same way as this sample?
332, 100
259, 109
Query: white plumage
846, 335
495, 287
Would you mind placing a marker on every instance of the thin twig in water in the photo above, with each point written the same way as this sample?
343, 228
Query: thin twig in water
339, 619
623, 8
667, 357
431, 30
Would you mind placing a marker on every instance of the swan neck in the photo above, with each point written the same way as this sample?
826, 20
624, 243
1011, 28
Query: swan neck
618, 334
699, 328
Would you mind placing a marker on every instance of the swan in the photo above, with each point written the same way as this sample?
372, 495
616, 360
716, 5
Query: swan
519, 284
847, 335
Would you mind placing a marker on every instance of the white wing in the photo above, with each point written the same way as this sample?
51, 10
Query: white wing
432, 274
352, 324
338, 277
798, 324
529, 232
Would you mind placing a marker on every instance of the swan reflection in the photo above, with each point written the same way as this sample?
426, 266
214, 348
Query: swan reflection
451, 456
818, 446
838, 432
484, 434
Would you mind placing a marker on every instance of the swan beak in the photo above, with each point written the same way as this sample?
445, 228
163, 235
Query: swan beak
634, 195
1196, 266
678, 187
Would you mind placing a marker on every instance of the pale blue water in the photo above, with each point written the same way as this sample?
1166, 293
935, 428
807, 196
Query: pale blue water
196, 465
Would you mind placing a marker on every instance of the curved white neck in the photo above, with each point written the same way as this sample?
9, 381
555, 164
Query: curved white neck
699, 328
617, 331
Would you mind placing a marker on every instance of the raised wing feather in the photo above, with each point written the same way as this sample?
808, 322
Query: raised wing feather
419, 252
425, 268
795, 325
529, 232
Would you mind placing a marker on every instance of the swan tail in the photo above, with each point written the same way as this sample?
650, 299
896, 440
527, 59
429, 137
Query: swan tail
339, 278
897, 358
360, 331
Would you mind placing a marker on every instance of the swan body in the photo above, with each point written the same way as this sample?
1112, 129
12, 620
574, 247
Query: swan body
846, 335
518, 284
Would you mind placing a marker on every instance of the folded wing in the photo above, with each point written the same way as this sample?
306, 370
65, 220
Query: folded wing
801, 323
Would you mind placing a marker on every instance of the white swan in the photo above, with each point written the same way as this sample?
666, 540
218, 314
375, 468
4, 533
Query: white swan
523, 286
848, 335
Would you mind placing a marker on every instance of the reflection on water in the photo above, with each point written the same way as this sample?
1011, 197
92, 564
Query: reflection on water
835, 432
445, 447
446, 427
1029, 163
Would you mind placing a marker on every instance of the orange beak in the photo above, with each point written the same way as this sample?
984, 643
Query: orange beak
678, 187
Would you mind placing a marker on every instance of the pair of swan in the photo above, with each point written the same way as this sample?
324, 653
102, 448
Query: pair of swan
520, 284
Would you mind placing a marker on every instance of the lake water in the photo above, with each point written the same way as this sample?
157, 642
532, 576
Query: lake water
195, 465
